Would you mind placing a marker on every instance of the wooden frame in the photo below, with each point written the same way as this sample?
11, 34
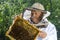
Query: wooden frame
25, 23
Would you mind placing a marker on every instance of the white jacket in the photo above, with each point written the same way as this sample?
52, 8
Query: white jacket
50, 29
51, 32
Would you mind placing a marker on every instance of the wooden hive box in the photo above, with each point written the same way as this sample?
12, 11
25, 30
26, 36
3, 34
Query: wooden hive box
22, 30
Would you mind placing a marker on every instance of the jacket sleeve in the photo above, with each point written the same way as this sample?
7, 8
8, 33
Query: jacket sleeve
51, 32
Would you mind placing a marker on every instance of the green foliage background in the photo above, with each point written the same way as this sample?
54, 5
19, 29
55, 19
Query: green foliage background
10, 8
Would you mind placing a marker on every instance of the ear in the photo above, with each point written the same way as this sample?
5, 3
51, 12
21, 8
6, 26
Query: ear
41, 16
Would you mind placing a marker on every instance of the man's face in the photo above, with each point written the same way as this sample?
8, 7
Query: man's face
36, 16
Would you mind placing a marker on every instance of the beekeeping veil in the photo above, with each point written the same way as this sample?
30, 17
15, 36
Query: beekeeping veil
37, 6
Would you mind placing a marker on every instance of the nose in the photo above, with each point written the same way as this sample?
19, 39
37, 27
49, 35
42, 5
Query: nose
34, 15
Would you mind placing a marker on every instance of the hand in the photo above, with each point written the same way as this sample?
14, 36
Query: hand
42, 34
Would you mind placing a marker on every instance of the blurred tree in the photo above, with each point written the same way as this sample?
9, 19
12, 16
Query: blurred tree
10, 8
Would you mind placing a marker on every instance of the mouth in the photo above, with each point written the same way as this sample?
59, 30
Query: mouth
34, 20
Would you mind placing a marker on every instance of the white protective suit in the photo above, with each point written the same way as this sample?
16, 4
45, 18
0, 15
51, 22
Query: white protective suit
50, 28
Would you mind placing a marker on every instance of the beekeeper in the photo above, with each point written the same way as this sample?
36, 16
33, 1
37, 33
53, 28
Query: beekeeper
38, 16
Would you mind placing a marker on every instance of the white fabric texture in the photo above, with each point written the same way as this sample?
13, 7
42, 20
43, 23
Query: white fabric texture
50, 29
27, 14
51, 32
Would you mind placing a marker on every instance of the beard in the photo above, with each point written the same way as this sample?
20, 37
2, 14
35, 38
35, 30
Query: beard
36, 20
